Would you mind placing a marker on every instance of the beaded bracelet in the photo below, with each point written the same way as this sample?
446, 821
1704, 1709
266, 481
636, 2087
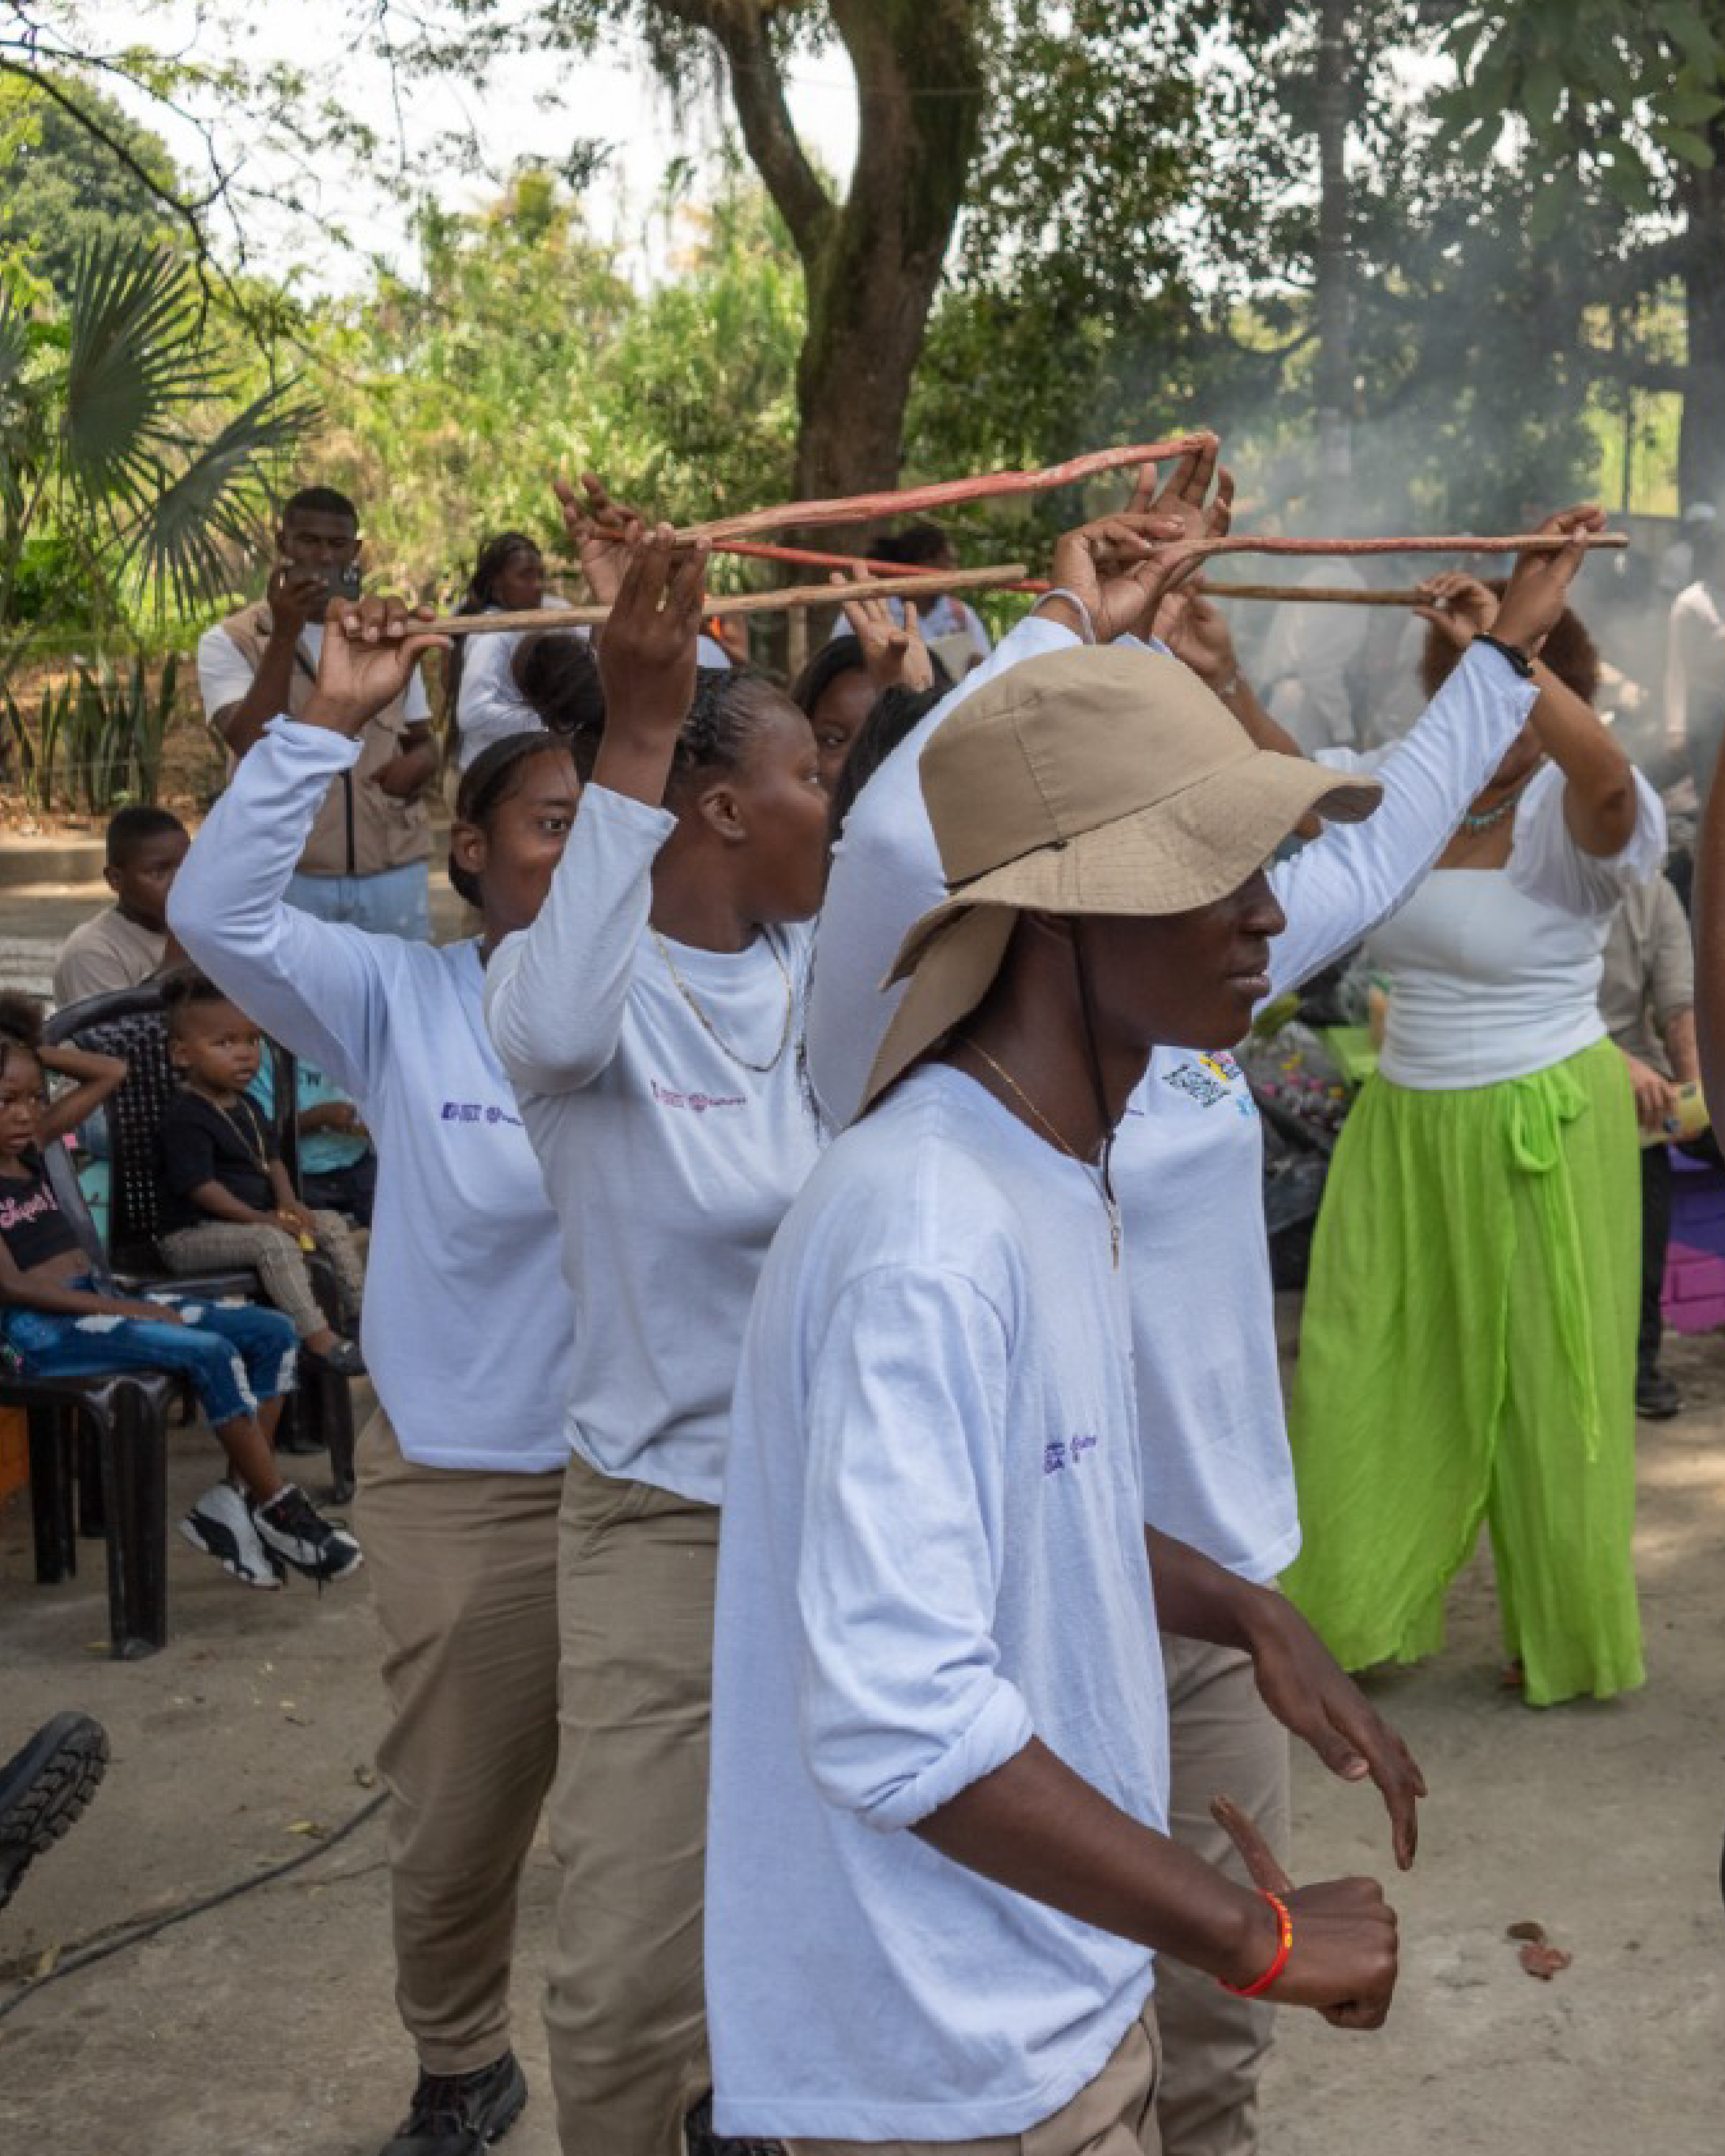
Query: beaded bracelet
1284, 1947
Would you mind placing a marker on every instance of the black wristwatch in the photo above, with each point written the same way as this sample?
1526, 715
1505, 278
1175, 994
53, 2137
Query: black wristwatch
1512, 652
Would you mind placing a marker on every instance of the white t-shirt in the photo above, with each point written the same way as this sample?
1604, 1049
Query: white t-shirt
1189, 1157
1494, 973
466, 1327
668, 1164
490, 707
933, 1550
224, 673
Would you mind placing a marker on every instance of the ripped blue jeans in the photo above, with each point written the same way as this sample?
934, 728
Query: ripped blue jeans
235, 1354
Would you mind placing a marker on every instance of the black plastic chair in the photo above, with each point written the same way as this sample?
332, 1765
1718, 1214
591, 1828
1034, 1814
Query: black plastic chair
131, 1023
106, 1434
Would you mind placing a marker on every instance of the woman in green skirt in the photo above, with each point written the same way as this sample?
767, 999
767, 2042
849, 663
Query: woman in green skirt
1468, 1347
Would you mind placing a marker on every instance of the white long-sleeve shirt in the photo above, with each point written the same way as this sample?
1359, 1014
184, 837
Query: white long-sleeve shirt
466, 1327
933, 1551
669, 1164
1188, 1155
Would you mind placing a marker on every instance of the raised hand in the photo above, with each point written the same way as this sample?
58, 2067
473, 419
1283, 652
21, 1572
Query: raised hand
1101, 564
646, 661
601, 530
1195, 629
369, 653
1539, 586
1186, 496
295, 597
1344, 1957
894, 653
1458, 604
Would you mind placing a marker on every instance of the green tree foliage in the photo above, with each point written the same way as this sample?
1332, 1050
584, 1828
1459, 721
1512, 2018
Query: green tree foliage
522, 352
65, 189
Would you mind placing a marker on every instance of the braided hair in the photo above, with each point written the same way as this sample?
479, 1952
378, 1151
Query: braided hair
494, 557
560, 679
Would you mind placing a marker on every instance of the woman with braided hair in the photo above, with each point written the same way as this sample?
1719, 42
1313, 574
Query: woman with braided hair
649, 1019
484, 704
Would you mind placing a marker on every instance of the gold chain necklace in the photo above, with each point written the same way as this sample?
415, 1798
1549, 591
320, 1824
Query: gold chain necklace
250, 1134
1109, 1205
713, 1033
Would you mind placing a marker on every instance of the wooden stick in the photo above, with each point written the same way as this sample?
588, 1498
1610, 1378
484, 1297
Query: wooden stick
944, 494
1467, 543
1311, 594
758, 551
552, 619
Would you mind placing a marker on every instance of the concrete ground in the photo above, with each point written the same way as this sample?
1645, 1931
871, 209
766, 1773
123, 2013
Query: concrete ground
265, 2026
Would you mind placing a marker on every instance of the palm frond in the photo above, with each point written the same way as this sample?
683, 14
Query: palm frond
216, 499
134, 366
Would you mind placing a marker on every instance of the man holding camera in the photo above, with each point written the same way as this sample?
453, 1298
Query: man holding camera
364, 862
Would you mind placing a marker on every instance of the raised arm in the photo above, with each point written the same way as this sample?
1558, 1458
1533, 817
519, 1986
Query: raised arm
313, 985
1341, 886
295, 596
94, 1078
556, 993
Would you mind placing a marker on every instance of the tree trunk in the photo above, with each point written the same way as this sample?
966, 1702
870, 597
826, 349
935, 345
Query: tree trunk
872, 263
1332, 266
1701, 441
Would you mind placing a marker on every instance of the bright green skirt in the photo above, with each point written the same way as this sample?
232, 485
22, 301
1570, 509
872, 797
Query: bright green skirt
1467, 1354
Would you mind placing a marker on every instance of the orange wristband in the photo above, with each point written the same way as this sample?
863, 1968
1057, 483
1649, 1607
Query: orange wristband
1284, 1947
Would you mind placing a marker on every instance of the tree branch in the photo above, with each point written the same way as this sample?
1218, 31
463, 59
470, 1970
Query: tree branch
770, 137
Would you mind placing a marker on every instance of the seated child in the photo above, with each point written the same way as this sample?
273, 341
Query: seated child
127, 941
57, 1321
226, 1199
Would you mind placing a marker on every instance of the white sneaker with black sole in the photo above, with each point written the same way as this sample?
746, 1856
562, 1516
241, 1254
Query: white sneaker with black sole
292, 1528
220, 1525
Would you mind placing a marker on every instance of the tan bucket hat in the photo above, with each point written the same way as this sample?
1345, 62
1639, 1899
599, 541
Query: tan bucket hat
1092, 781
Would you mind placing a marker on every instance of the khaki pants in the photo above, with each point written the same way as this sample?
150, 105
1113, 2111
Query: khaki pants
624, 2007
1225, 1742
214, 1245
462, 1568
1114, 2115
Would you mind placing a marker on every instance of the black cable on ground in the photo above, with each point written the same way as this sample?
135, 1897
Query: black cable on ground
137, 1933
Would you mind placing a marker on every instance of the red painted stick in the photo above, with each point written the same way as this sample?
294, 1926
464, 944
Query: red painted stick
759, 551
944, 494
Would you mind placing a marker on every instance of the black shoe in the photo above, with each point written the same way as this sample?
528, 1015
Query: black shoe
698, 2129
461, 2114
1657, 1398
44, 1789
342, 1356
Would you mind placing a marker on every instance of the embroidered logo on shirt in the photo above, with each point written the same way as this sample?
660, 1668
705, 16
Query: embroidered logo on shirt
699, 1102
478, 1112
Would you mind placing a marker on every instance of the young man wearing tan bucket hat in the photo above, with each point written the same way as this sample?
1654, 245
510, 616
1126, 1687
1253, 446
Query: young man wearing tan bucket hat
936, 1865
1188, 1168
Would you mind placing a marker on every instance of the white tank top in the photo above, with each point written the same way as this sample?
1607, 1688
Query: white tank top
1494, 973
